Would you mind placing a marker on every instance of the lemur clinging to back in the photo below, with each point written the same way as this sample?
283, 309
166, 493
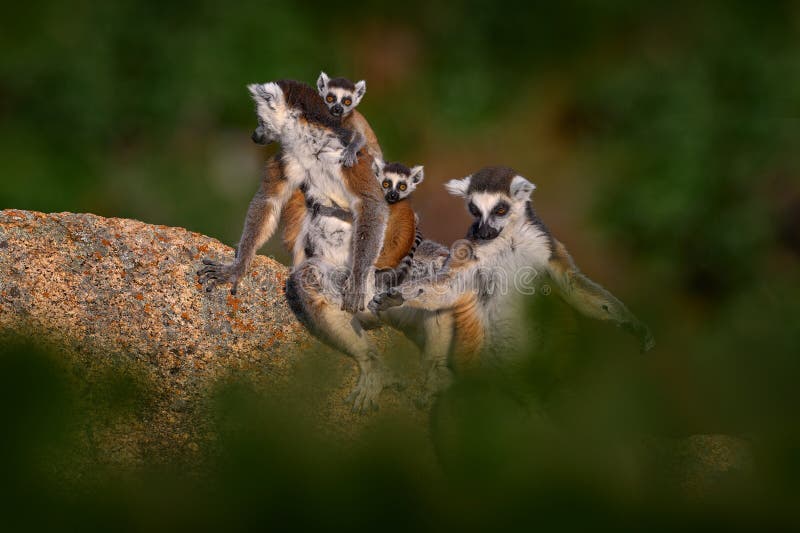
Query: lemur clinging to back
507, 243
344, 230
342, 97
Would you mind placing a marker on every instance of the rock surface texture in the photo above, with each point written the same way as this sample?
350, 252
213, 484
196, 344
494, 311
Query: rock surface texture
121, 296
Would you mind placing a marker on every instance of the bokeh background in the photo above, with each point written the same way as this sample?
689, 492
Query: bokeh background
663, 138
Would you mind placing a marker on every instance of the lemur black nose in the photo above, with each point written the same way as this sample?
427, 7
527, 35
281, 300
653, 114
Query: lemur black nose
486, 232
337, 110
392, 197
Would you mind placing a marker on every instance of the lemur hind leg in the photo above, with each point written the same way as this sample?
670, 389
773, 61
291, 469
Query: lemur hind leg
313, 291
438, 328
432, 333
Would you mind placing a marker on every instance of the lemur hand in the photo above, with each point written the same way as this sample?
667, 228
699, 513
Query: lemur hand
214, 273
350, 153
349, 158
641, 332
386, 300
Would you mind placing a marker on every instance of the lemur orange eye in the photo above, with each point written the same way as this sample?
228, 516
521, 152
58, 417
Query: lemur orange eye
386, 184
500, 211
348, 101
403, 187
329, 98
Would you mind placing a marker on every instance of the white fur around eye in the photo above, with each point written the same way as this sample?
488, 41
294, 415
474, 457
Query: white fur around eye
458, 187
486, 202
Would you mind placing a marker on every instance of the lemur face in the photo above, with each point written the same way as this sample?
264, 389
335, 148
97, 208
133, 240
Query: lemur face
272, 111
496, 196
398, 181
341, 95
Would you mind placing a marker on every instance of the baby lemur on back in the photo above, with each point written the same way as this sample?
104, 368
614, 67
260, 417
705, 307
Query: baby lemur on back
398, 182
482, 283
342, 96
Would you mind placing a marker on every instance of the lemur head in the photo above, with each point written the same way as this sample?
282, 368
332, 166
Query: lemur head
398, 181
280, 104
341, 95
496, 197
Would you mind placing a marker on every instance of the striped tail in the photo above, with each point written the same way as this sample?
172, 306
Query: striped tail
392, 277
402, 270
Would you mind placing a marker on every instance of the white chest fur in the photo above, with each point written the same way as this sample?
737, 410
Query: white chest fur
315, 163
511, 268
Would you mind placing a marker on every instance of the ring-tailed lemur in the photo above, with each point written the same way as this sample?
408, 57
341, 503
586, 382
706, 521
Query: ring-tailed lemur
398, 182
341, 96
507, 243
329, 290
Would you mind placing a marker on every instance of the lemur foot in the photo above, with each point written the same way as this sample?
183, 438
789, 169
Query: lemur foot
437, 379
215, 273
373, 379
386, 300
353, 300
365, 394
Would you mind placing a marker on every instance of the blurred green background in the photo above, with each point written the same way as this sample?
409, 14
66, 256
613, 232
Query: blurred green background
663, 137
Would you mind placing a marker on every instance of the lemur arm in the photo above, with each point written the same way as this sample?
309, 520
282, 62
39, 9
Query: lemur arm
370, 215
260, 223
591, 299
436, 290
357, 122
350, 152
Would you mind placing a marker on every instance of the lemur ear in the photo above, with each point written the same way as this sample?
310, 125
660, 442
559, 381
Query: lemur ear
417, 174
322, 83
361, 89
377, 168
458, 187
521, 188
261, 96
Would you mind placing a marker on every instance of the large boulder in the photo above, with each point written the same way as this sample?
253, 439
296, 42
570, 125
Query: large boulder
120, 295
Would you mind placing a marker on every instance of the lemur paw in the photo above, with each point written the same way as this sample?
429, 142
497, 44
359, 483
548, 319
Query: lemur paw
641, 332
365, 394
385, 278
215, 273
349, 158
353, 300
437, 379
386, 300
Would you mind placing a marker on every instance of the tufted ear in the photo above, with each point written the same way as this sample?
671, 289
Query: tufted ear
322, 83
521, 188
261, 94
377, 168
458, 187
361, 90
254, 89
417, 174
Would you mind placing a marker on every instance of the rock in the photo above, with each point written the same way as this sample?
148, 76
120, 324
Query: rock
121, 297
120, 294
